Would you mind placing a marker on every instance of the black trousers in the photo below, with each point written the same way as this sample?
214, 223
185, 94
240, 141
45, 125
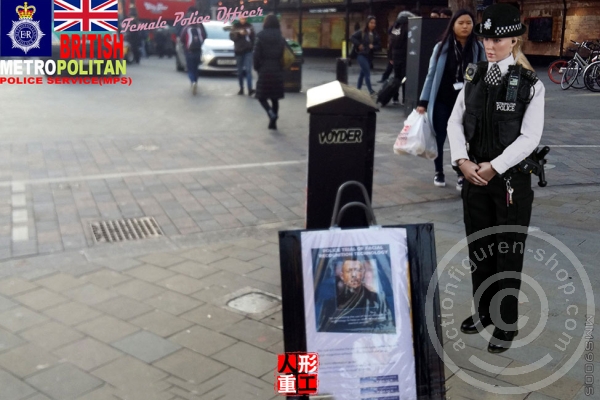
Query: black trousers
399, 73
501, 251
388, 71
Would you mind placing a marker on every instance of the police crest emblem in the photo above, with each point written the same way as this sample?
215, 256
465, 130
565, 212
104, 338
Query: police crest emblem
26, 33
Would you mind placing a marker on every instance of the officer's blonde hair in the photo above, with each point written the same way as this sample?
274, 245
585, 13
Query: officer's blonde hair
519, 56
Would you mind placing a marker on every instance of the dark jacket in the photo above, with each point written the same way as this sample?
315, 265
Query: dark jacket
398, 38
243, 38
187, 37
268, 53
359, 37
399, 44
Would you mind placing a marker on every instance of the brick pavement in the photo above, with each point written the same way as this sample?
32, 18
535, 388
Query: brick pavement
150, 320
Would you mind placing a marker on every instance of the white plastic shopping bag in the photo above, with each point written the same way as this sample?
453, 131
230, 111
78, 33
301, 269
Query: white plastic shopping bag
416, 137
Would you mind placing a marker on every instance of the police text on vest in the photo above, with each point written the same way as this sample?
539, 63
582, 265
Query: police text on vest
500, 106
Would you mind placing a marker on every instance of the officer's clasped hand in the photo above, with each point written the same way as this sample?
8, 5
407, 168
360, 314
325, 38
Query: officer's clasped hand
486, 171
470, 171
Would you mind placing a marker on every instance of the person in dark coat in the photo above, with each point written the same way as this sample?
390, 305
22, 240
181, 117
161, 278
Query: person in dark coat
135, 39
366, 42
390, 66
398, 49
242, 34
268, 54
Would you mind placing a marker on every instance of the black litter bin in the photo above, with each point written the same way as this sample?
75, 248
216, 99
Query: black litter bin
341, 148
293, 75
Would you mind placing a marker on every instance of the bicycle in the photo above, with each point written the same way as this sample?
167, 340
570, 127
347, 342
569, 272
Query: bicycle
557, 67
556, 70
576, 66
591, 75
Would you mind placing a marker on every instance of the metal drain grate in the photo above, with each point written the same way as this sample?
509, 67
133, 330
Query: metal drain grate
125, 229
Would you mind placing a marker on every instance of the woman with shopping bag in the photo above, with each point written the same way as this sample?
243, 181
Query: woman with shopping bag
447, 65
496, 123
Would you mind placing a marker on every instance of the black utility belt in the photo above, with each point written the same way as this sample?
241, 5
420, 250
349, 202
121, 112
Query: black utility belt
532, 165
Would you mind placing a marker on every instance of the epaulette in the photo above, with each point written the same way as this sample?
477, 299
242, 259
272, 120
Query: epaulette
529, 75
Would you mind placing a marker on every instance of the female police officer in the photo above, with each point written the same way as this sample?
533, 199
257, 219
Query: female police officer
497, 122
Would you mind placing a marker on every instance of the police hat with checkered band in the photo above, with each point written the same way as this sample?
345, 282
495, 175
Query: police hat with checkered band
500, 21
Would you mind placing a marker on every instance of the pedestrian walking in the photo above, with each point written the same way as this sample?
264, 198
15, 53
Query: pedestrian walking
389, 68
192, 38
268, 62
242, 34
444, 80
398, 47
496, 123
366, 42
135, 39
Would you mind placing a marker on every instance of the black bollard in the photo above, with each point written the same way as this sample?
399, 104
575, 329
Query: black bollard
341, 70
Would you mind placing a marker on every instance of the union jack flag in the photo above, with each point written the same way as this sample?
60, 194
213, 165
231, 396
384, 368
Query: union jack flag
86, 15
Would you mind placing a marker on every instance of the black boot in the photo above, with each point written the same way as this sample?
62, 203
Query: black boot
241, 92
473, 325
272, 120
501, 340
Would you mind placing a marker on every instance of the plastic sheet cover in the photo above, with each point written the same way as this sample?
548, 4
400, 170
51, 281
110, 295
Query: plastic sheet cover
357, 306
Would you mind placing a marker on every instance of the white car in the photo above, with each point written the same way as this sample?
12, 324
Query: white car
217, 50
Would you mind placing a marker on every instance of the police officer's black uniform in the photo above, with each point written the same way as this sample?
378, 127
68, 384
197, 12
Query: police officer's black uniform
490, 116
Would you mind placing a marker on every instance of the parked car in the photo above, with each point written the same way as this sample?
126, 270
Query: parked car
217, 50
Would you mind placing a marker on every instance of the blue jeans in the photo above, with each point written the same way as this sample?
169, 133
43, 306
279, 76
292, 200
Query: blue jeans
192, 61
244, 62
365, 72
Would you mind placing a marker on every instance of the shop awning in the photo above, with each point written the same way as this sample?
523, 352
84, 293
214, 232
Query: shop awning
152, 9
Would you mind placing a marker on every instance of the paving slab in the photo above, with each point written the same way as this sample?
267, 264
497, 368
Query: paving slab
247, 358
161, 323
128, 373
146, 346
64, 382
173, 303
123, 308
107, 329
213, 317
13, 388
27, 360
190, 366
202, 340
72, 313
87, 354
20, 318
51, 335
14, 285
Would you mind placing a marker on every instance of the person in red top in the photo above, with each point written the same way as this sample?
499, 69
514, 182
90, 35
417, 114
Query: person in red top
192, 37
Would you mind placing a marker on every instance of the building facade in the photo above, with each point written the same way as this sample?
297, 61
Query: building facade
552, 24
